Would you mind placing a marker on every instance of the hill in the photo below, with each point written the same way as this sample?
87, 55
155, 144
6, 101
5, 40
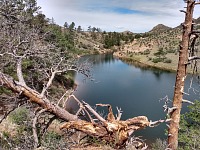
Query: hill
159, 47
101, 42
160, 28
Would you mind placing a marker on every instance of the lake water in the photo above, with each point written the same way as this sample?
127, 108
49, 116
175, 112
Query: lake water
136, 90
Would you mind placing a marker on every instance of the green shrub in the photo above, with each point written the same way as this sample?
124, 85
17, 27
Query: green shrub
159, 145
146, 52
98, 142
51, 136
5, 91
160, 52
53, 140
157, 59
189, 133
4, 140
96, 52
19, 116
171, 51
23, 138
167, 60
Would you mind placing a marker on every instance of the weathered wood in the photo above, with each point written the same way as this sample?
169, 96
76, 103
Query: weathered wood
35, 97
180, 77
116, 132
110, 129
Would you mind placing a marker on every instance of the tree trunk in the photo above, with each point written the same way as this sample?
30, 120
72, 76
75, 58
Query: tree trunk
180, 77
35, 97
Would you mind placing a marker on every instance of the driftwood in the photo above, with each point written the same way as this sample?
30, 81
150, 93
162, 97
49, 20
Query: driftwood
111, 129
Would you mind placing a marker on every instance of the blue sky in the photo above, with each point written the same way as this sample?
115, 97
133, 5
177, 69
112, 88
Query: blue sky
115, 15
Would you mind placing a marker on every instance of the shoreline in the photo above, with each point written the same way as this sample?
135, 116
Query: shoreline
140, 63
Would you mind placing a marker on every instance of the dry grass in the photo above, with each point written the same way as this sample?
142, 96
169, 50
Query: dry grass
92, 148
8, 127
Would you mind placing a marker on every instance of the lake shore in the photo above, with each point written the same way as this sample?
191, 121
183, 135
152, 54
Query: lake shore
142, 61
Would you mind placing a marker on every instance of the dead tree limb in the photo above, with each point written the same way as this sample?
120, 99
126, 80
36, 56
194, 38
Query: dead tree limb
93, 112
35, 97
116, 132
187, 101
110, 116
34, 128
119, 113
156, 123
110, 130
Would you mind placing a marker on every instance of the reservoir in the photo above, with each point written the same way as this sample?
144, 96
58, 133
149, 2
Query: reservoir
138, 91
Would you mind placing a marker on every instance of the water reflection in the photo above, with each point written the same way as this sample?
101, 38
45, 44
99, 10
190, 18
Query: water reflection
98, 59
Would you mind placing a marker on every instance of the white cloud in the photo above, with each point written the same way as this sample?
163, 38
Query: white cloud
100, 14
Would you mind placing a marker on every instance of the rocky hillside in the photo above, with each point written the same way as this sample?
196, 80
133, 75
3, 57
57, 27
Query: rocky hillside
160, 28
89, 41
158, 47
101, 42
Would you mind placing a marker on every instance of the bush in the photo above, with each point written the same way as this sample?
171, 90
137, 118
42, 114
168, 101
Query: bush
146, 52
157, 59
51, 136
4, 142
160, 52
53, 140
167, 60
171, 51
159, 145
189, 133
23, 138
19, 116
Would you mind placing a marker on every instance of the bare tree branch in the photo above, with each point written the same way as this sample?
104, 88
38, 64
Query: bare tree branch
93, 112
35, 97
193, 58
119, 113
156, 123
187, 101
182, 11
49, 83
34, 128
82, 107
109, 131
110, 115
62, 98
19, 71
195, 32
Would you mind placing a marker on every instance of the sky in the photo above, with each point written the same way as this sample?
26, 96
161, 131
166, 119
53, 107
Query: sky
116, 15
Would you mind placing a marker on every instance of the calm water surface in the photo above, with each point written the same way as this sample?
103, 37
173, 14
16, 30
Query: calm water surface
136, 90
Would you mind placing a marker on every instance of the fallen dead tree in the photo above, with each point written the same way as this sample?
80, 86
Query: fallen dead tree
111, 129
